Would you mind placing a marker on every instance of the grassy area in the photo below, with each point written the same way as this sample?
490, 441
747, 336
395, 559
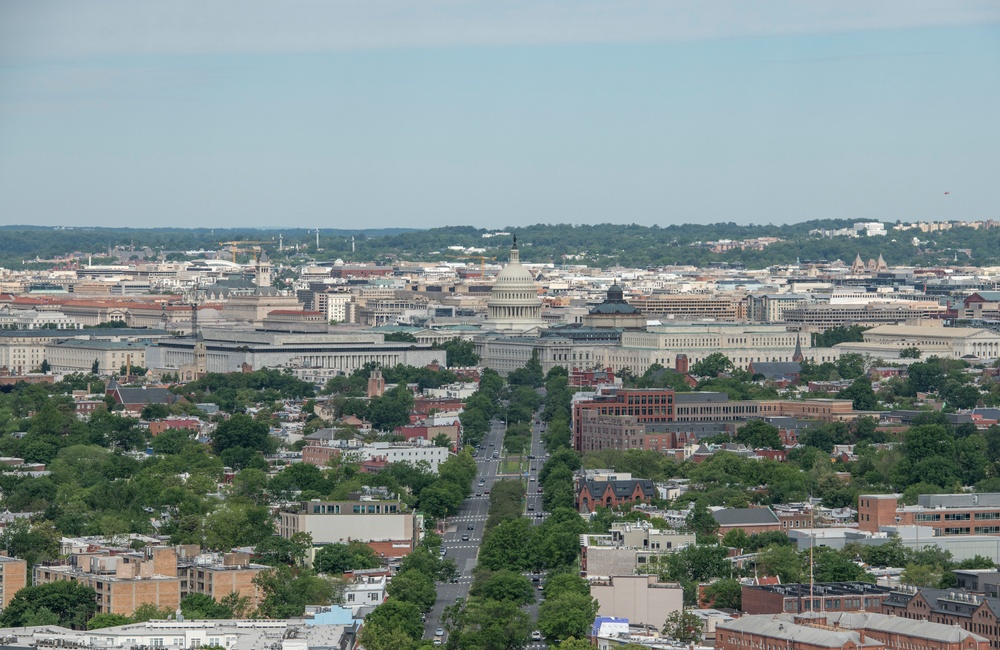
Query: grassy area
513, 465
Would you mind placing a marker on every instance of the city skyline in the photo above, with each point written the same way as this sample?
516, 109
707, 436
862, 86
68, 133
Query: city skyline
472, 113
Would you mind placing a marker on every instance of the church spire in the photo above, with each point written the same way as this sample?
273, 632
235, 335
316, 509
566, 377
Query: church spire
797, 356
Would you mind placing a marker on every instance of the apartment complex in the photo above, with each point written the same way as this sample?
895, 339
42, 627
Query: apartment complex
642, 599
627, 548
947, 514
13, 577
385, 525
160, 575
639, 419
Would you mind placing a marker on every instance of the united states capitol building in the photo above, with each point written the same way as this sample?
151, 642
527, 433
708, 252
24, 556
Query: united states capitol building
615, 334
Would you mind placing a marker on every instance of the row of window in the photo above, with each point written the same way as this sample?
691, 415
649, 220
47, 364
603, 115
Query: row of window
334, 509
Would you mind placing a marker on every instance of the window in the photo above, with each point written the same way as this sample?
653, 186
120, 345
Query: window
956, 531
984, 516
957, 516
934, 517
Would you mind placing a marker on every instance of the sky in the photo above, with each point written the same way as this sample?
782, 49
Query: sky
384, 113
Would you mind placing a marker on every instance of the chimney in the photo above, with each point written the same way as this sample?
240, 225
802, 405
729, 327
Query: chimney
681, 364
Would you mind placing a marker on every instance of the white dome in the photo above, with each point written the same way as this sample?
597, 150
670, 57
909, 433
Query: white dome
514, 304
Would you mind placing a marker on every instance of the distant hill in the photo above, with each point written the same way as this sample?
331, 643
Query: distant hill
596, 245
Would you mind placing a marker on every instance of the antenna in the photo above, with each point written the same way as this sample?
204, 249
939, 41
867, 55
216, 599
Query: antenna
352, 243
812, 542
317, 239
281, 243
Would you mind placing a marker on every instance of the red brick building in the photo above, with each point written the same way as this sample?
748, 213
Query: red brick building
156, 427
749, 520
947, 514
826, 596
591, 493
967, 611
645, 405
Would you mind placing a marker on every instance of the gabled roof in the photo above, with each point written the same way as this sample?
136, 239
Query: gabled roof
145, 395
745, 517
776, 369
621, 488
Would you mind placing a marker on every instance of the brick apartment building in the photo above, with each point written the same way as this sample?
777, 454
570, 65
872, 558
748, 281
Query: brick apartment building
842, 630
159, 575
13, 577
825, 597
960, 609
947, 514
644, 405
625, 418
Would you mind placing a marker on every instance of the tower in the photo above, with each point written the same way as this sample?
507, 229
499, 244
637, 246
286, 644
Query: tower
376, 384
797, 356
200, 357
262, 270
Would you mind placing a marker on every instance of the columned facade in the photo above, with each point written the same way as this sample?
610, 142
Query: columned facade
514, 305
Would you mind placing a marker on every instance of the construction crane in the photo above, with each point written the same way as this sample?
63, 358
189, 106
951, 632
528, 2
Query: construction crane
234, 247
482, 261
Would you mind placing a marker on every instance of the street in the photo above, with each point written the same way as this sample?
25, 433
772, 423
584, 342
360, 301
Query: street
471, 518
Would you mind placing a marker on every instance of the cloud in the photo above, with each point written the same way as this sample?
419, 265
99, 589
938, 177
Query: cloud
68, 28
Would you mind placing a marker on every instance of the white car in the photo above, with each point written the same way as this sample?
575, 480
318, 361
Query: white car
536, 636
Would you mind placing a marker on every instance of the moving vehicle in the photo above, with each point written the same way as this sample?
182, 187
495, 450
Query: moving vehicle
536, 636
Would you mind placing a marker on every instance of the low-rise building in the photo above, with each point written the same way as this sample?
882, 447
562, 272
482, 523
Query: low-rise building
821, 596
844, 631
642, 599
364, 520
629, 547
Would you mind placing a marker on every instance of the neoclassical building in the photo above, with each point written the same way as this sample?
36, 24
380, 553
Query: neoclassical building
514, 305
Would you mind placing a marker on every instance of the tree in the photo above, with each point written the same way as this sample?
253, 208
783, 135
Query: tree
683, 626
341, 558
391, 623
70, 603
442, 440
713, 365
286, 592
202, 606
702, 522
95, 368
503, 585
567, 615
726, 593
46, 367
392, 409
242, 431
488, 625
758, 434
101, 621
413, 587
781, 561
911, 352
861, 395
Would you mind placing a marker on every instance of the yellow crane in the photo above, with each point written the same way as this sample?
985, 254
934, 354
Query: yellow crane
482, 261
234, 247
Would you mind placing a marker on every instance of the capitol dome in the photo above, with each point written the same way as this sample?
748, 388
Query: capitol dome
514, 304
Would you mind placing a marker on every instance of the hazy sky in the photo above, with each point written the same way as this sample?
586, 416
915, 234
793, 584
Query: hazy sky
372, 113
